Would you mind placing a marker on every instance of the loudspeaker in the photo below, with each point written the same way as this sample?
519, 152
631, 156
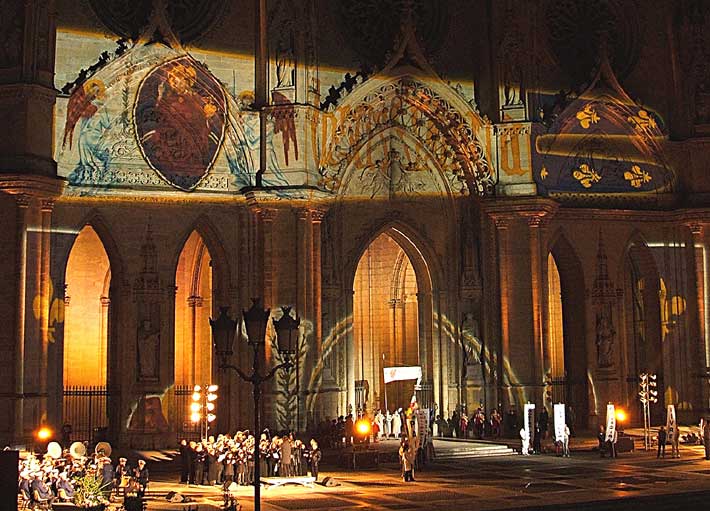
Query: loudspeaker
9, 462
330, 482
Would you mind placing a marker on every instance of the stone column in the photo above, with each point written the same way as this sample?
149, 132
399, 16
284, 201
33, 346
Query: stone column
27, 93
316, 224
698, 348
23, 203
504, 391
534, 223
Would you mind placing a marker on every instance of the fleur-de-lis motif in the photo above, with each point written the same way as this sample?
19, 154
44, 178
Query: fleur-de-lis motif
636, 177
587, 116
642, 121
543, 173
586, 175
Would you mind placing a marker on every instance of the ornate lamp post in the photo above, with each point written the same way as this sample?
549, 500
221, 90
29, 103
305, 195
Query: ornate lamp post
255, 321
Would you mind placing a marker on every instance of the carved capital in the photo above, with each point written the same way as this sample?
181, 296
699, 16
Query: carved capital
501, 222
696, 229
22, 200
317, 215
267, 214
47, 205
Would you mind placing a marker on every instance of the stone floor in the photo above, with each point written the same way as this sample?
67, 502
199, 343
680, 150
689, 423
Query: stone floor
633, 481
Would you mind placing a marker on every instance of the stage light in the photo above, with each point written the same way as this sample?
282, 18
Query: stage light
211, 397
212, 388
195, 407
197, 388
620, 415
196, 396
195, 417
363, 427
211, 417
44, 433
210, 406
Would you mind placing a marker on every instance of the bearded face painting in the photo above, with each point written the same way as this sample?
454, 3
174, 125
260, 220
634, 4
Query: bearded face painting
180, 116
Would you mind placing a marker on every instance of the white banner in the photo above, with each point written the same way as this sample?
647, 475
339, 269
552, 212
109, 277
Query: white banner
559, 411
670, 422
610, 422
402, 373
529, 419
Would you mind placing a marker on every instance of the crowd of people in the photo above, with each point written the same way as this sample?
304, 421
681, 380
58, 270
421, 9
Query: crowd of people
228, 459
45, 480
474, 425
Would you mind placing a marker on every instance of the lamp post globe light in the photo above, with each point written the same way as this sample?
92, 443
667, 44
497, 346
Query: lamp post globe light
255, 322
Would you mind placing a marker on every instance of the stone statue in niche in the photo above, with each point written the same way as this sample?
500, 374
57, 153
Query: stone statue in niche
605, 338
148, 350
285, 61
470, 344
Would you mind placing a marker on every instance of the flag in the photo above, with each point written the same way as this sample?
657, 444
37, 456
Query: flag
402, 373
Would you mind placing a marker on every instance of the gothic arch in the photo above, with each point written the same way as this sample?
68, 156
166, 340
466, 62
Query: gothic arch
573, 302
426, 108
220, 261
643, 328
421, 256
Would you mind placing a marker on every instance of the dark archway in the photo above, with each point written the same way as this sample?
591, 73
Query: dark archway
567, 346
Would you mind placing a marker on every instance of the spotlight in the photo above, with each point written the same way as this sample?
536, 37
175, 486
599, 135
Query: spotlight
621, 415
363, 427
44, 433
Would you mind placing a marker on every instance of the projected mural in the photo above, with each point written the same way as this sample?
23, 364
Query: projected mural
180, 117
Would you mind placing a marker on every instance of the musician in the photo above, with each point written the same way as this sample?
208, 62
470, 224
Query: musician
249, 448
121, 473
314, 457
192, 452
65, 488
184, 462
141, 475
41, 493
211, 465
200, 460
264, 465
25, 485
107, 473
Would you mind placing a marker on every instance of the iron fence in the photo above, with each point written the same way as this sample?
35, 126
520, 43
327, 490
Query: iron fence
85, 411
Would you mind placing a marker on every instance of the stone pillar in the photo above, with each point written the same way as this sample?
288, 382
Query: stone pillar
23, 203
698, 345
534, 223
27, 93
316, 224
505, 395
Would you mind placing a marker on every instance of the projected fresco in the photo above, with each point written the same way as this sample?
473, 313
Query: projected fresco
180, 117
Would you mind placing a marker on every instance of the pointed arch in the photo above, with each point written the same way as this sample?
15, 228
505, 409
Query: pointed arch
420, 253
643, 328
564, 264
443, 123
204, 227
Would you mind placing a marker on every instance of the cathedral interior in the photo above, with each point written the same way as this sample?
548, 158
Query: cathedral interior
509, 195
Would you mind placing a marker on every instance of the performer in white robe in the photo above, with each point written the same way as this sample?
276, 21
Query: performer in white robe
397, 423
380, 421
388, 424
525, 437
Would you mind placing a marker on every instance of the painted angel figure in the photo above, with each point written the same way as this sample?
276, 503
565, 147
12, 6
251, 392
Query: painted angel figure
86, 108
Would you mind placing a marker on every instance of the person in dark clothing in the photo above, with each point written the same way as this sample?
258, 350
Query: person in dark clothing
200, 460
184, 462
211, 467
601, 438
142, 477
192, 457
314, 457
662, 437
537, 440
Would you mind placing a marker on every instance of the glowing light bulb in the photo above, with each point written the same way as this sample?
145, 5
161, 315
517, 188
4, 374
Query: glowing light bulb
195, 417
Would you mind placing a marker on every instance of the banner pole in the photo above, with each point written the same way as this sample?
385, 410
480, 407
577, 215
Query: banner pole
385, 383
